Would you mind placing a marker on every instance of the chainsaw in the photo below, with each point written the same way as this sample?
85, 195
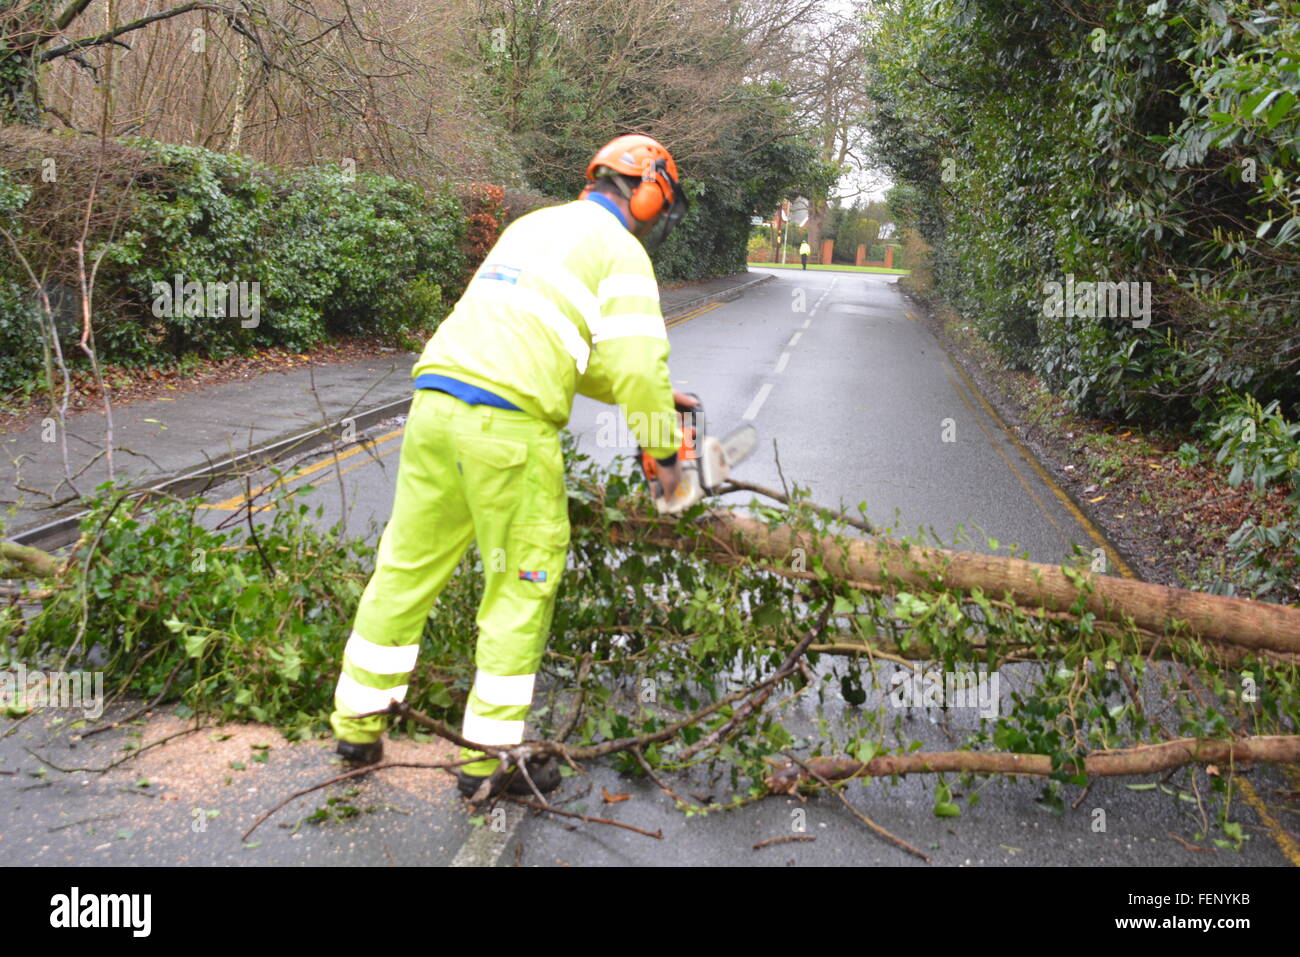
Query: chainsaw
706, 460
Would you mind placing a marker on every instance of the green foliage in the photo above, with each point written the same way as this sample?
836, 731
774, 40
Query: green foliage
19, 88
852, 227
331, 253
1137, 143
1257, 443
548, 84
20, 351
1265, 561
20, 340
159, 593
752, 173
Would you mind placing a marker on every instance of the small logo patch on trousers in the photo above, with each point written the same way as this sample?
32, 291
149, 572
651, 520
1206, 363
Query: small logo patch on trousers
532, 576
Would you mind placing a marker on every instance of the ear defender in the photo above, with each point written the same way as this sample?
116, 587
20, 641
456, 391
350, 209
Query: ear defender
649, 200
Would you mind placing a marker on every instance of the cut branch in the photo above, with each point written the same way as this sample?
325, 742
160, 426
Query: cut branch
1144, 759
26, 562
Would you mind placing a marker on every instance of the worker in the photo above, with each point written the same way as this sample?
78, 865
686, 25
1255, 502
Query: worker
804, 251
565, 302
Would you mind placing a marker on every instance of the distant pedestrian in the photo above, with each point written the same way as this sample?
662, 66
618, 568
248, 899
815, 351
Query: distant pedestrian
804, 251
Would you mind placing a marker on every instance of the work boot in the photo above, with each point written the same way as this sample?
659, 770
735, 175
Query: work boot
545, 773
359, 755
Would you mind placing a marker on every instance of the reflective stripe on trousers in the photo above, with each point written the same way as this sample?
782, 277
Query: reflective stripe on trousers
466, 473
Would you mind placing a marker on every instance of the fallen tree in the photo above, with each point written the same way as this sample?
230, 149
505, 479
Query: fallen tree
698, 646
1146, 759
1258, 626
886, 563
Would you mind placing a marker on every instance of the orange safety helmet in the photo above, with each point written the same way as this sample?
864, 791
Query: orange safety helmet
659, 193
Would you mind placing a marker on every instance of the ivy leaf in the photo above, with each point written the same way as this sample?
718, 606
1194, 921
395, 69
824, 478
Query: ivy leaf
194, 644
943, 802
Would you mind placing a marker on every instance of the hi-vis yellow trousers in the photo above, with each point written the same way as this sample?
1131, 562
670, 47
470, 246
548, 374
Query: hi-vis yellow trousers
466, 473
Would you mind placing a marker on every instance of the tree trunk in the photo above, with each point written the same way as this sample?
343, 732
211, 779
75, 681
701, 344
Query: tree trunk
241, 92
816, 218
1258, 626
1144, 759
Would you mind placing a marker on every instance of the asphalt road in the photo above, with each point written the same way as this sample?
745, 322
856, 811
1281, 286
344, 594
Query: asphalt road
864, 406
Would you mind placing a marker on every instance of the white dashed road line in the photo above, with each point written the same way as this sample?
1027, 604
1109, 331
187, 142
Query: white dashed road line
766, 389
759, 399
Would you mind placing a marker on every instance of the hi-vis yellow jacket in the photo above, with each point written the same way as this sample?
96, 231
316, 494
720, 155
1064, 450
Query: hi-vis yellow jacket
565, 302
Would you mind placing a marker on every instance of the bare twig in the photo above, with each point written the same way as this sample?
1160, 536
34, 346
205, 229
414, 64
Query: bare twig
657, 835
354, 773
1188, 846
859, 815
784, 839
135, 753
736, 485
139, 711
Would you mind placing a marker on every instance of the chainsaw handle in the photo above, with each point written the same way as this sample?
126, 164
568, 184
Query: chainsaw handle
692, 423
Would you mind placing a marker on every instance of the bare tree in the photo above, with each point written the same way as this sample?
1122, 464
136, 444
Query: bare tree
825, 75
381, 84
73, 252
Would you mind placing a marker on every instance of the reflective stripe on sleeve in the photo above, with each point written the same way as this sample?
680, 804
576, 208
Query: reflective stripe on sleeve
481, 730
629, 324
572, 288
381, 659
360, 699
627, 284
504, 689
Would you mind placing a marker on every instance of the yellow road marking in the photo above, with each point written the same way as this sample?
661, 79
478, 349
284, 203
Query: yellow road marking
696, 312
1285, 842
1112, 556
236, 501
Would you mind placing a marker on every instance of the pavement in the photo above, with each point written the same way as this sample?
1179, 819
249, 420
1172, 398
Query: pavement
181, 442
865, 407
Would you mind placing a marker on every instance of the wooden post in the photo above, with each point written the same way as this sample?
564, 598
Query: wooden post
861, 256
828, 252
